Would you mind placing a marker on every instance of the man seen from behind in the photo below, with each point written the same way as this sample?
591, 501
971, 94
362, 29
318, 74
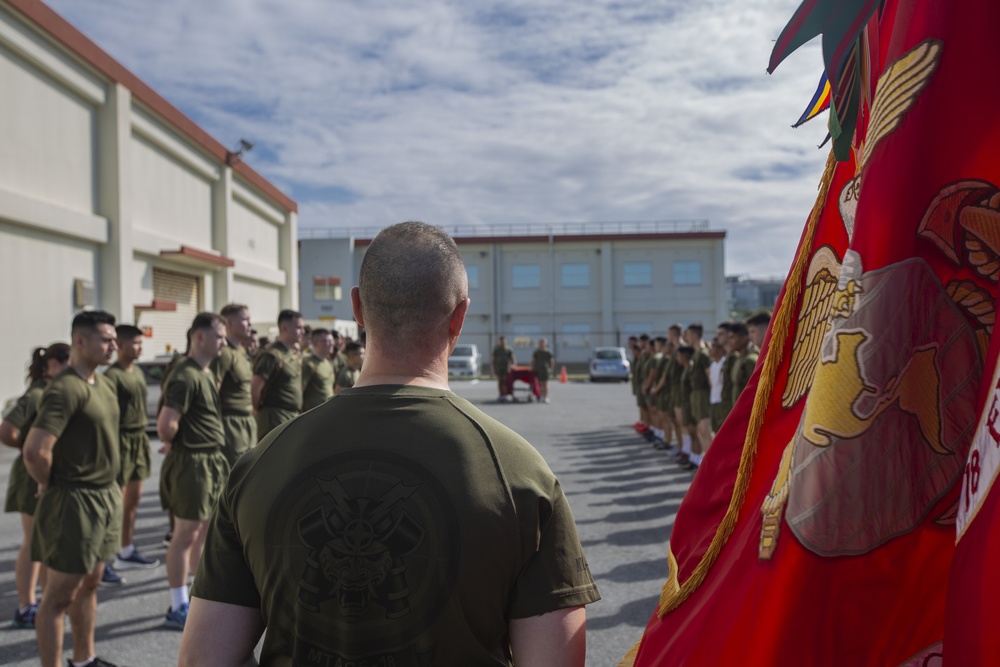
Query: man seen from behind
425, 532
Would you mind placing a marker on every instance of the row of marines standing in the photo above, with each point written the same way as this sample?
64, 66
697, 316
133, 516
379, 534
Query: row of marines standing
86, 452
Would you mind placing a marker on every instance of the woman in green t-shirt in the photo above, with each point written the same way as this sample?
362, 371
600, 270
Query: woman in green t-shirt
46, 363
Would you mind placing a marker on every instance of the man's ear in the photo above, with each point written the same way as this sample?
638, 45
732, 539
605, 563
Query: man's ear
356, 306
457, 319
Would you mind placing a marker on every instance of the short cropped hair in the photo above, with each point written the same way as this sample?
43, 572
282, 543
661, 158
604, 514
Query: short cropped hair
316, 333
726, 326
739, 329
412, 277
697, 328
686, 350
204, 321
89, 320
759, 319
661, 339
676, 328
352, 347
232, 309
128, 331
644, 337
287, 315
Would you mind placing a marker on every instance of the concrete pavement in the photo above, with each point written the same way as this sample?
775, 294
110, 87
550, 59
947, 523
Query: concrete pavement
623, 493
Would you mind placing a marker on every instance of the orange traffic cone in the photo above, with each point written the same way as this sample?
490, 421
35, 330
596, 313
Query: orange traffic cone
562, 375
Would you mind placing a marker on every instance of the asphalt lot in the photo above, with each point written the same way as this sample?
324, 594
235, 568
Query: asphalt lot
623, 493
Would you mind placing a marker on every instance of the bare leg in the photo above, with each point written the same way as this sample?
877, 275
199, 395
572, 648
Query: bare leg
60, 590
83, 615
197, 548
179, 551
26, 572
131, 493
695, 441
705, 434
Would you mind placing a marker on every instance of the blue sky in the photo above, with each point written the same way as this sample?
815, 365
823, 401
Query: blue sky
458, 113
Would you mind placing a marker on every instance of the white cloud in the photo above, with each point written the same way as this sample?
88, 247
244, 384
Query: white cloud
453, 112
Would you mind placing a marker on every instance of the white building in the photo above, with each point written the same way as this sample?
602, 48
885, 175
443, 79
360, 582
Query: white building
111, 198
579, 286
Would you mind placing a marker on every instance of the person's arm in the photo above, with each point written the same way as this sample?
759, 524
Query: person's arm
256, 390
10, 435
220, 635
555, 639
38, 448
168, 422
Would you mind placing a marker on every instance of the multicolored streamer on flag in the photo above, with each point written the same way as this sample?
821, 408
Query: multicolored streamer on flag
819, 103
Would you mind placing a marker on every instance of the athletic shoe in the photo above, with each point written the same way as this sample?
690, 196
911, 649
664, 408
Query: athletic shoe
546, 400
25, 619
110, 578
176, 617
96, 662
135, 562
689, 465
167, 537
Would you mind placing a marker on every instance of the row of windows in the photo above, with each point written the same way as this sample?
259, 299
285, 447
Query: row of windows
634, 274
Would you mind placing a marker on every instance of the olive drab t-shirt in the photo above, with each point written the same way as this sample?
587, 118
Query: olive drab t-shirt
541, 363
347, 377
503, 358
130, 387
282, 369
84, 418
317, 381
699, 370
742, 369
191, 391
411, 538
233, 373
23, 414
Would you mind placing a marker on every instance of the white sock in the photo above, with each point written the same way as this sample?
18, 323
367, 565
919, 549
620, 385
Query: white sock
686, 443
178, 597
126, 551
84, 663
696, 459
658, 433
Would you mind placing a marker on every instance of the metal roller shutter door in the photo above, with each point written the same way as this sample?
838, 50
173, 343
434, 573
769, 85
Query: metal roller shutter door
170, 327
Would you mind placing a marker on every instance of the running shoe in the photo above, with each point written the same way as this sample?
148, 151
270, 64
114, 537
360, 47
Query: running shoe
110, 578
135, 562
26, 618
176, 617
96, 662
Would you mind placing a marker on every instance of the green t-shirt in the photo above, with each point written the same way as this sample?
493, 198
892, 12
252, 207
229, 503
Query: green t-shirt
84, 419
727, 379
347, 377
233, 373
23, 414
700, 363
503, 358
339, 363
742, 369
191, 391
317, 381
130, 387
282, 369
541, 363
413, 537
676, 374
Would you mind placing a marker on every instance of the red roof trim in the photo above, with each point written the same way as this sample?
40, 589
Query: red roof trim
567, 238
161, 305
200, 255
63, 32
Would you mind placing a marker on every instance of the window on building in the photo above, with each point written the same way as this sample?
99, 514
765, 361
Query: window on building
473, 273
575, 335
638, 274
526, 335
326, 288
526, 276
576, 275
687, 273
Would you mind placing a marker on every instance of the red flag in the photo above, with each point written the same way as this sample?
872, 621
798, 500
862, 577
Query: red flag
820, 528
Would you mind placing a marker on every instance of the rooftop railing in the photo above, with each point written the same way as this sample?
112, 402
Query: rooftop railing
527, 229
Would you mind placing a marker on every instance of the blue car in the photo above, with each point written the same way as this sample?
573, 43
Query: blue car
609, 363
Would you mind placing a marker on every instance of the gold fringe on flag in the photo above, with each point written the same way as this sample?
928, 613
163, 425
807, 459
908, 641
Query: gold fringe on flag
673, 593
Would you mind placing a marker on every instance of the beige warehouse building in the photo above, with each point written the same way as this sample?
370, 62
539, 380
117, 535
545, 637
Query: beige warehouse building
111, 198
578, 285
